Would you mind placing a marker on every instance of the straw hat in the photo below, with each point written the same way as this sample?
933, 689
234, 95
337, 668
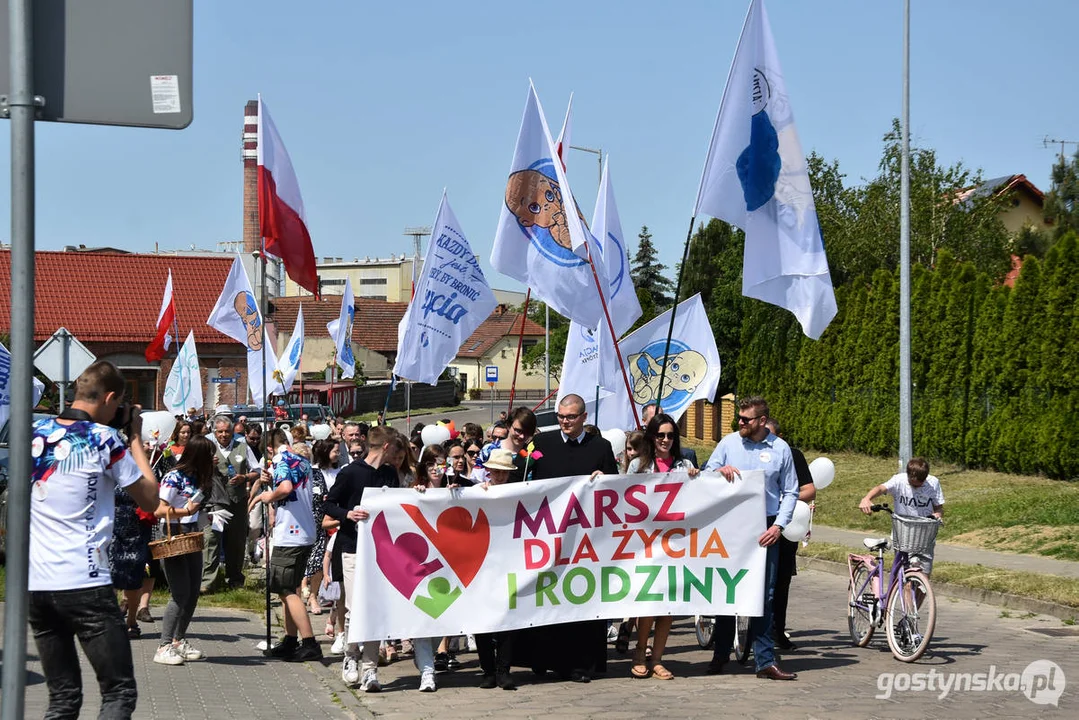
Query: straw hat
500, 460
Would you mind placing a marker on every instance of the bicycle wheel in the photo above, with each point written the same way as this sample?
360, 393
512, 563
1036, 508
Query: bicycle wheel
911, 617
705, 625
743, 640
859, 619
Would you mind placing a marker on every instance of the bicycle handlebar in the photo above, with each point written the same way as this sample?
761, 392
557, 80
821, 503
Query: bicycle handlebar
879, 508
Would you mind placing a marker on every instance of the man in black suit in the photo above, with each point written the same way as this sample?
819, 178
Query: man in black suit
573, 650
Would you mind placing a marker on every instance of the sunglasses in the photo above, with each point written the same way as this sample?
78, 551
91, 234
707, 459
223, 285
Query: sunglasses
666, 435
356, 453
472, 453
746, 420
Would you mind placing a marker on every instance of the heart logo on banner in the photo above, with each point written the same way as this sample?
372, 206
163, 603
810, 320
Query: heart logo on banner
457, 538
402, 561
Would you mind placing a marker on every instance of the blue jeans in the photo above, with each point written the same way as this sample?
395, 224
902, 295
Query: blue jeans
57, 617
760, 628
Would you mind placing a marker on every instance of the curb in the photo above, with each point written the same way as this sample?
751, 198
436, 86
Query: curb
978, 595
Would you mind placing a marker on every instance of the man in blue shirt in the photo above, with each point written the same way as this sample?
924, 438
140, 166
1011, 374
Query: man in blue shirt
755, 447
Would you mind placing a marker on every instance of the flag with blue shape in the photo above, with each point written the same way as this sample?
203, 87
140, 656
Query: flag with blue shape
756, 178
341, 332
622, 302
288, 365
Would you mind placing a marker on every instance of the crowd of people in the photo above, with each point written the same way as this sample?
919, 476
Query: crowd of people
299, 496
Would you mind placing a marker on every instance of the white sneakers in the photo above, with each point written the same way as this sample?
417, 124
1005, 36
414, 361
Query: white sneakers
338, 646
168, 655
427, 681
350, 670
472, 643
370, 682
187, 652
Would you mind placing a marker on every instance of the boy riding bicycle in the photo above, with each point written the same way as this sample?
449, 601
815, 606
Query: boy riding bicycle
915, 493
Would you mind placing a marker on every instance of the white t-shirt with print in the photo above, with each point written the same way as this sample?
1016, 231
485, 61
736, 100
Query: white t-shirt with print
177, 489
76, 469
294, 521
914, 502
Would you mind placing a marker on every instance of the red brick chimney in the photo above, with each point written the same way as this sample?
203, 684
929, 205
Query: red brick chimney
252, 241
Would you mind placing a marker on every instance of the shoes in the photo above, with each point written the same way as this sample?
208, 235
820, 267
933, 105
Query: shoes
784, 643
370, 682
427, 681
772, 672
716, 666
488, 682
661, 673
580, 676
442, 662
338, 646
452, 663
350, 670
188, 652
472, 643
284, 649
134, 632
307, 652
621, 643
168, 655
407, 648
612, 634
505, 681
143, 615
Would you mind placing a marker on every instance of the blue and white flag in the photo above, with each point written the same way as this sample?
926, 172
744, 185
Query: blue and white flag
288, 365
756, 178
452, 298
237, 315
541, 238
183, 388
581, 366
5, 386
341, 332
622, 300
693, 365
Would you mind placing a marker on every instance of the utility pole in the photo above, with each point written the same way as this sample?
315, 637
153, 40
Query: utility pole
906, 423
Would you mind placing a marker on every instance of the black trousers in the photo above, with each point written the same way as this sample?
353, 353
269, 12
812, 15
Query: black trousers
495, 651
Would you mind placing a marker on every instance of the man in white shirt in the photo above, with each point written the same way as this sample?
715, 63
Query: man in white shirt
78, 460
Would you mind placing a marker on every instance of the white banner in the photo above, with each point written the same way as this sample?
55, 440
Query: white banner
449, 562
183, 388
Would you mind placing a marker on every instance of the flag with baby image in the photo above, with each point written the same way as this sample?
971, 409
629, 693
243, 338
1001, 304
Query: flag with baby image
542, 239
692, 364
237, 315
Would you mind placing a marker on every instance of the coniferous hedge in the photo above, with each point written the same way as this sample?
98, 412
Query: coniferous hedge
995, 369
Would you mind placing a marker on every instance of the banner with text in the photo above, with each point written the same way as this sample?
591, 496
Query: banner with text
449, 562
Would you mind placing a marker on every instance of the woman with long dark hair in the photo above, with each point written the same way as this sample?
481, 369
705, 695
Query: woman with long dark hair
183, 491
660, 453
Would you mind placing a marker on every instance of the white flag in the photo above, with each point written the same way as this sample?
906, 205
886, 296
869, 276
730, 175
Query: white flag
288, 365
541, 238
5, 386
692, 366
341, 332
183, 388
452, 299
756, 178
622, 302
237, 315
563, 142
581, 366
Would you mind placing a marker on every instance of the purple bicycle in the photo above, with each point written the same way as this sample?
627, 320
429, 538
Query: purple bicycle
905, 604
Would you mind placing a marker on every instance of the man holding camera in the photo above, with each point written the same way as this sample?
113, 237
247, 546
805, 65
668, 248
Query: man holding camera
235, 467
78, 460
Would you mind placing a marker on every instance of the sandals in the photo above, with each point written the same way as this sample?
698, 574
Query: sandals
639, 669
661, 673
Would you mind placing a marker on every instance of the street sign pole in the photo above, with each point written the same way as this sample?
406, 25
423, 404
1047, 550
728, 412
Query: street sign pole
21, 104
492, 386
65, 366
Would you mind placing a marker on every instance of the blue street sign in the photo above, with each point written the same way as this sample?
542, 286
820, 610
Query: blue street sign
492, 373
223, 380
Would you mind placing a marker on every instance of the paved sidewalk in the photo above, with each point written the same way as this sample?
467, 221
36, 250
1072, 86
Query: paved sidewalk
962, 554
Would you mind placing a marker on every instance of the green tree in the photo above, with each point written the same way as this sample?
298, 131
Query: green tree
1062, 200
647, 273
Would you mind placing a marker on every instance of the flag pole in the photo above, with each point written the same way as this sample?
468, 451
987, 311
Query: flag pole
674, 310
520, 341
614, 341
265, 414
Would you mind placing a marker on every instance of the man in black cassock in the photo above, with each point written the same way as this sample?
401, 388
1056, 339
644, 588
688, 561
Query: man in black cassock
574, 650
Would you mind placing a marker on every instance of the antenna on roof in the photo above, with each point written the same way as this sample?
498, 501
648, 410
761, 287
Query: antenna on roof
417, 233
1047, 141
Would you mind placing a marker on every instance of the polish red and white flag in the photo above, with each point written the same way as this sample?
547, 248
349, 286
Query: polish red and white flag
282, 222
166, 318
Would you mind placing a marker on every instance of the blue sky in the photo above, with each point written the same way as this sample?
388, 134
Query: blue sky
382, 105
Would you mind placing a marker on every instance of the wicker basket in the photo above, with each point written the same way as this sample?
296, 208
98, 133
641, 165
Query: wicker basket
914, 535
174, 545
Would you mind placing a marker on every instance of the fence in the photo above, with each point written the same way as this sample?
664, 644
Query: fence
705, 422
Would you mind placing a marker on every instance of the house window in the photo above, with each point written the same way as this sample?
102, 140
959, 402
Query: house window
373, 281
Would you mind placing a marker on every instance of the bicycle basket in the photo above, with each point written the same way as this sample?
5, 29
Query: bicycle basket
914, 535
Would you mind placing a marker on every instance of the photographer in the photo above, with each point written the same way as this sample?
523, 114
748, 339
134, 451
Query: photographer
78, 460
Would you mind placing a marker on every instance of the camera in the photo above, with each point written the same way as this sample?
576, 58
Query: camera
124, 418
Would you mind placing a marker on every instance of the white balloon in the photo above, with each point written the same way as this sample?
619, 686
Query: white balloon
320, 432
434, 434
157, 427
799, 524
617, 439
823, 471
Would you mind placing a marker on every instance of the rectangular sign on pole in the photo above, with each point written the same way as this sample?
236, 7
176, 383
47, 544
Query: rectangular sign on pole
223, 380
110, 62
529, 554
492, 373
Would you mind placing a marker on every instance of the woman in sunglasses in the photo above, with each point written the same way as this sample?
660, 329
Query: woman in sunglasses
522, 425
660, 453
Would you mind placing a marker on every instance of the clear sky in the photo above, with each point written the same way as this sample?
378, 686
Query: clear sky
381, 105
